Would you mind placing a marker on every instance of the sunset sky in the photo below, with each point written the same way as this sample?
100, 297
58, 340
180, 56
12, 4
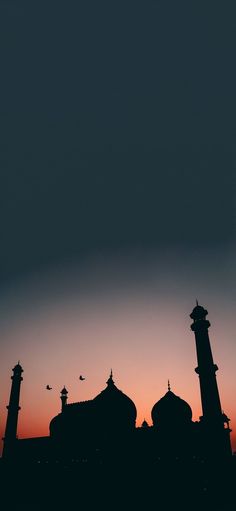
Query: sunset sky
117, 200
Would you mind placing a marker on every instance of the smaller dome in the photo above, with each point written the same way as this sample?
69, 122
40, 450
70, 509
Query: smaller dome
170, 411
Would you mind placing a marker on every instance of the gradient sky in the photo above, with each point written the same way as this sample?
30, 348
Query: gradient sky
117, 202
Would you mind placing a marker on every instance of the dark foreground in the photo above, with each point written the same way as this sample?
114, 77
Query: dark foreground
165, 486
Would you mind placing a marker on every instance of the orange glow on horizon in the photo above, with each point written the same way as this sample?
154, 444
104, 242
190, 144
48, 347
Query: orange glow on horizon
144, 336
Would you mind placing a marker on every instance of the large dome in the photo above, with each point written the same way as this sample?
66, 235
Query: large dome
111, 410
171, 411
115, 407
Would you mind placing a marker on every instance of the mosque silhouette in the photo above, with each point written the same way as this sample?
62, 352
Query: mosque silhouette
103, 430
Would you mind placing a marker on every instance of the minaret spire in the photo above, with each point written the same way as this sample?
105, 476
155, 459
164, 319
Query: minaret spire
13, 411
168, 385
212, 418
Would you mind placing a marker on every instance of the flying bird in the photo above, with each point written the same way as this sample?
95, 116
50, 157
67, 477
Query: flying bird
81, 377
48, 388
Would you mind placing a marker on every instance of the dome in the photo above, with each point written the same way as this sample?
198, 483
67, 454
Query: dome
170, 411
115, 407
110, 410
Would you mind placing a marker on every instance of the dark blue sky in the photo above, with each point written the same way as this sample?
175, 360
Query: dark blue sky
117, 129
117, 194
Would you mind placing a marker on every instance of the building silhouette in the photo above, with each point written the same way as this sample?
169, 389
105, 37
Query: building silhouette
103, 430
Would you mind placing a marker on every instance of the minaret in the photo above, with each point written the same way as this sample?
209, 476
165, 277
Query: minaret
13, 411
64, 393
217, 438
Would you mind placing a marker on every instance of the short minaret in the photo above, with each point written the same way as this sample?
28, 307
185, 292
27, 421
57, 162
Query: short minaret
13, 411
64, 393
212, 419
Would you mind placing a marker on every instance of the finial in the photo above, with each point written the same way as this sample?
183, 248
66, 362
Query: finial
110, 379
168, 385
196, 302
18, 362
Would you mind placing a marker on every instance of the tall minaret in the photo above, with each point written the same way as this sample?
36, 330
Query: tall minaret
217, 437
13, 411
64, 393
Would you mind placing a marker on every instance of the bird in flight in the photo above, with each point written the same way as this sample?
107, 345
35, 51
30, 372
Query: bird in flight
48, 388
81, 378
